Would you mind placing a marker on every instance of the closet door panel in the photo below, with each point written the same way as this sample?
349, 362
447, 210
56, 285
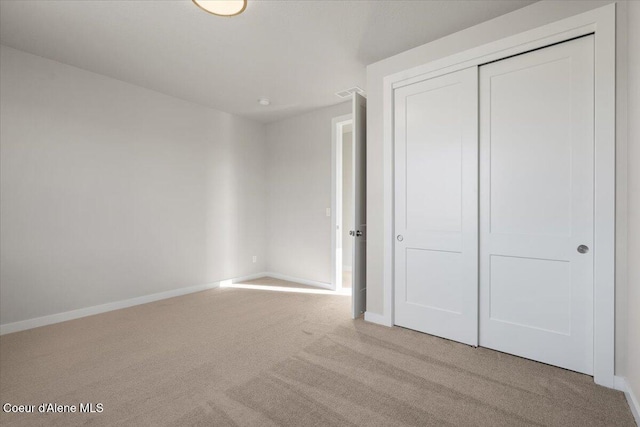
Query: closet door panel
436, 271
536, 205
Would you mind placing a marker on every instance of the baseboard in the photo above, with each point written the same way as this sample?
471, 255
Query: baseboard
377, 318
299, 280
249, 277
102, 308
620, 383
282, 277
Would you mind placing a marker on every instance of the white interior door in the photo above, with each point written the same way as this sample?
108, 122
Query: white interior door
536, 205
436, 206
359, 285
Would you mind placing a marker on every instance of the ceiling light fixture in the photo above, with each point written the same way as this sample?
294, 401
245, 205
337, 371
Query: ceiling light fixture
264, 101
222, 7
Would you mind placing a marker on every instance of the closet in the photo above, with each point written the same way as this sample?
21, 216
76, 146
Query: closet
494, 205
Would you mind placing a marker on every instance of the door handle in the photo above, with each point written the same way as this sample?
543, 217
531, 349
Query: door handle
355, 233
583, 249
400, 238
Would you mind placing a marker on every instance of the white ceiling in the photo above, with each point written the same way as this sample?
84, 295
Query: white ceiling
297, 53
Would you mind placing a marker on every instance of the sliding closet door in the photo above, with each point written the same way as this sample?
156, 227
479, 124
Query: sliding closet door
436, 206
536, 205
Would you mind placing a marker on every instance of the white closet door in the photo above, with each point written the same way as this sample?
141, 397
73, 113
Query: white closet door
536, 205
436, 206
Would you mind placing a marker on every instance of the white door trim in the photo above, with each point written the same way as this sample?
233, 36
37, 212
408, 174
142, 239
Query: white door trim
602, 23
337, 125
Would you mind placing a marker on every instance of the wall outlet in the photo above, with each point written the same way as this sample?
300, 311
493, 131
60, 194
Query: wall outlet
328, 211
255, 259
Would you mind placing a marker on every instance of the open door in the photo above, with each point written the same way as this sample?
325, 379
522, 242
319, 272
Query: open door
359, 287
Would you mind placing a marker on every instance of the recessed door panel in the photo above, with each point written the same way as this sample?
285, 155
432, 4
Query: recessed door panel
531, 137
530, 292
436, 181
434, 159
433, 278
536, 205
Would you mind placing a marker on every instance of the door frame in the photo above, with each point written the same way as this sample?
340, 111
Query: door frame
337, 130
602, 23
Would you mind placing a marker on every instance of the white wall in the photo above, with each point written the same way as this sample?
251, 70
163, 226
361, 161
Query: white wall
110, 191
348, 208
632, 371
299, 192
379, 175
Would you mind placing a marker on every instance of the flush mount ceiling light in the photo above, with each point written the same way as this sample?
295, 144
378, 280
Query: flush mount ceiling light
264, 101
222, 7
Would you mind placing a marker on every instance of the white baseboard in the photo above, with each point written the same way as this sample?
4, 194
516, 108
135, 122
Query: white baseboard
620, 383
249, 277
280, 276
102, 308
377, 318
299, 280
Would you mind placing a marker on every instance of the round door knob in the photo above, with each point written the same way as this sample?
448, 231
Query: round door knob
400, 238
583, 249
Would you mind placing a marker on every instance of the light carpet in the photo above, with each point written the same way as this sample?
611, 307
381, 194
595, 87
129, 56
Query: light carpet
236, 357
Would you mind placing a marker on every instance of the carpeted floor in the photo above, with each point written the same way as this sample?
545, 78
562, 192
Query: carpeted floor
270, 281
259, 358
